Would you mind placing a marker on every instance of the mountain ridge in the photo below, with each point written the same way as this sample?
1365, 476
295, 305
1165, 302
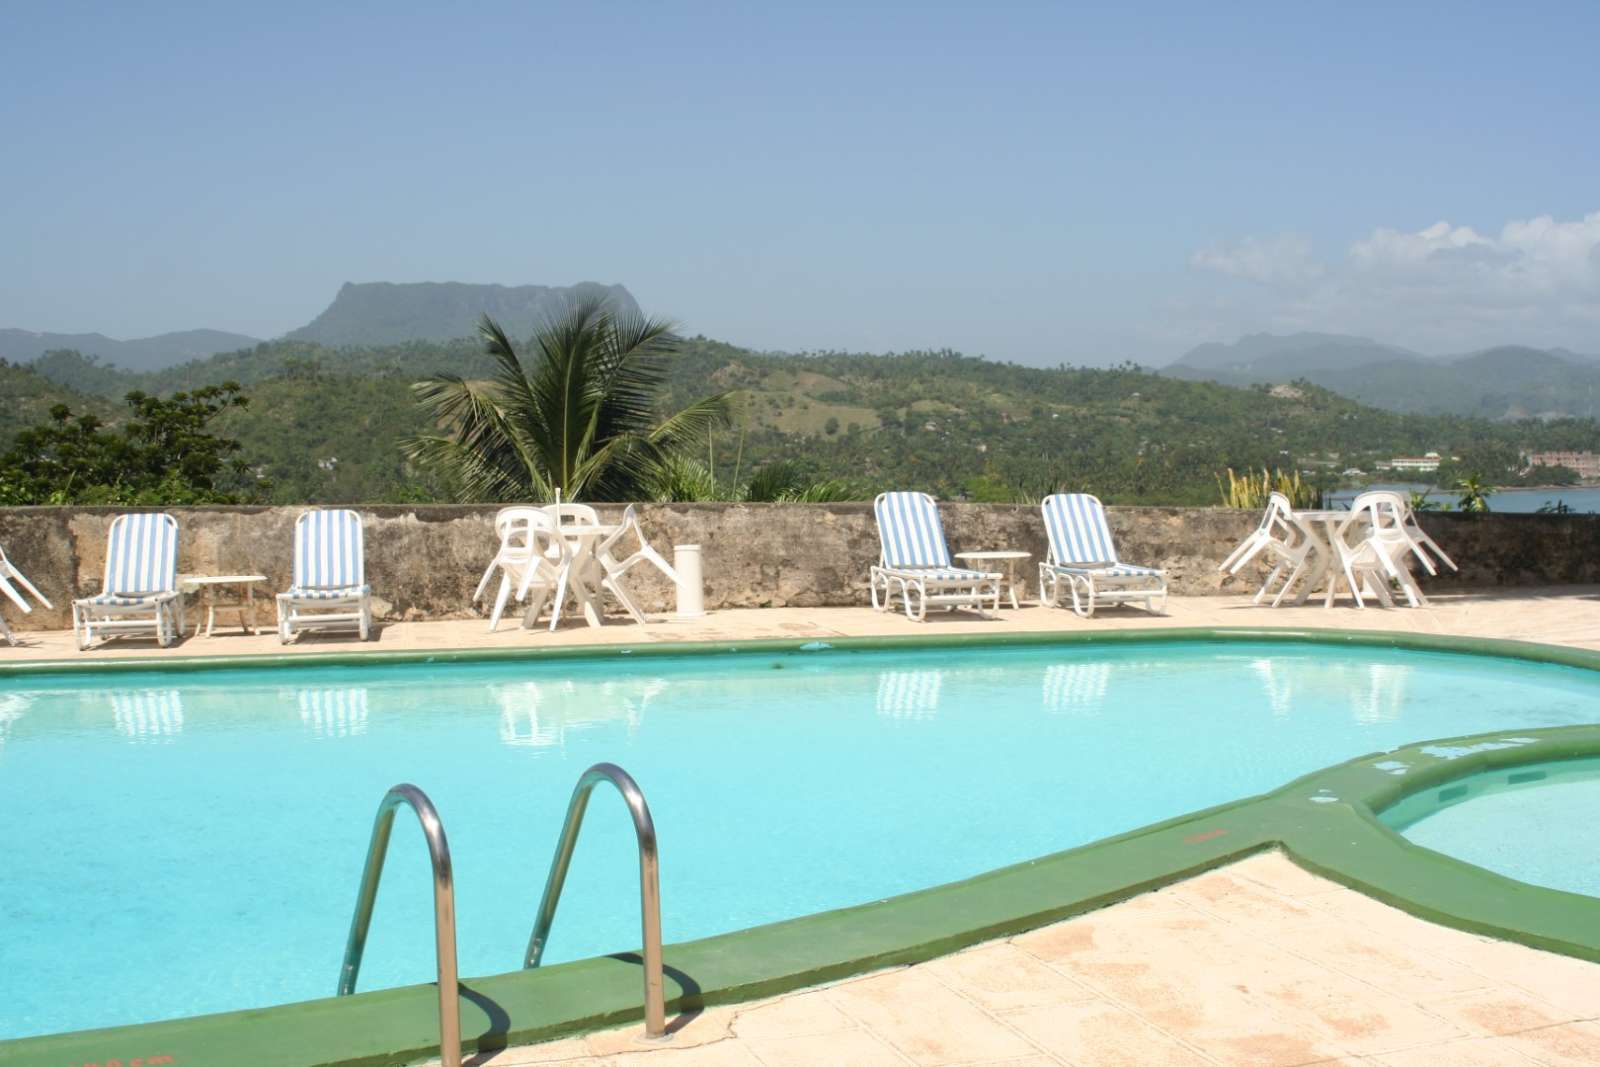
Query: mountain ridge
1499, 382
137, 354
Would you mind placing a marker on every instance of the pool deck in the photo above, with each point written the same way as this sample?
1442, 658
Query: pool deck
1257, 963
1568, 615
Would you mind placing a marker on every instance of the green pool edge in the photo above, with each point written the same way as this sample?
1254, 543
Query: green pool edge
1325, 821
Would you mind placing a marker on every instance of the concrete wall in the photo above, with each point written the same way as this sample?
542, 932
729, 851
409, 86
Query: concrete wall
424, 561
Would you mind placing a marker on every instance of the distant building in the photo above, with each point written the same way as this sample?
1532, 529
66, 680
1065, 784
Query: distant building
1426, 463
1587, 464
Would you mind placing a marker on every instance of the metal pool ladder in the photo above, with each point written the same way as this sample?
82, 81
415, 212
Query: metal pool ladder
655, 1016
444, 911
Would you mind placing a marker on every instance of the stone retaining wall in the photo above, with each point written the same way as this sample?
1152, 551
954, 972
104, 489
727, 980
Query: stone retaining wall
424, 561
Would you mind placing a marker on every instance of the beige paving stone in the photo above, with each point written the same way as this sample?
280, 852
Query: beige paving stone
1002, 977
1103, 1034
1237, 899
926, 1021
800, 1015
684, 1031
1493, 1012
728, 1053
1280, 874
1473, 1052
1567, 615
1401, 970
850, 1048
568, 1051
1568, 1045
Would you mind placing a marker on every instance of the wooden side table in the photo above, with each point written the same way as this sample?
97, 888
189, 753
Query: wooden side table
213, 590
1010, 557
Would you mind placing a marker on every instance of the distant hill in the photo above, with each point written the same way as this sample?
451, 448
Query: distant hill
387, 313
142, 354
1270, 357
1506, 382
326, 424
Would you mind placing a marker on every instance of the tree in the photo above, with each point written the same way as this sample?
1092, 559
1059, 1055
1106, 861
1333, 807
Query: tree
165, 453
1474, 494
579, 416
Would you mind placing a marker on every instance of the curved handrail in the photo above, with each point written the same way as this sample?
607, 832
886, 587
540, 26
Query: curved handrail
444, 911
655, 1015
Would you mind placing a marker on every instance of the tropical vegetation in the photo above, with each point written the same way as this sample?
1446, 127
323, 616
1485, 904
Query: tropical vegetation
164, 452
577, 420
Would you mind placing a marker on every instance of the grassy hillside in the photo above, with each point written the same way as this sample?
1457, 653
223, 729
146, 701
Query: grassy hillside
325, 424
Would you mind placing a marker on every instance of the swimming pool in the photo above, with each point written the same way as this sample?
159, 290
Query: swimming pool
1502, 820
190, 842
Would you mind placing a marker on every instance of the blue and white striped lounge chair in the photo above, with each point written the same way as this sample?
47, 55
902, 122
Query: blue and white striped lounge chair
915, 559
1084, 558
140, 591
330, 590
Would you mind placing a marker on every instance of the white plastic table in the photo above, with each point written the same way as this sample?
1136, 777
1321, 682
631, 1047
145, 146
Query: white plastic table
584, 577
1010, 557
211, 586
1317, 526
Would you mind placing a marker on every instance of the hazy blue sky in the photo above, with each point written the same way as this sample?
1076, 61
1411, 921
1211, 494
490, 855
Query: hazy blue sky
1039, 182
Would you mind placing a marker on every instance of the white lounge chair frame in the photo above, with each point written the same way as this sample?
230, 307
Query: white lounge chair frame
1083, 557
8, 575
329, 590
140, 591
914, 559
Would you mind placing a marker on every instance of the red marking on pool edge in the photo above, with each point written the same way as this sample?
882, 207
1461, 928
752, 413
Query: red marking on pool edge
136, 1061
1195, 839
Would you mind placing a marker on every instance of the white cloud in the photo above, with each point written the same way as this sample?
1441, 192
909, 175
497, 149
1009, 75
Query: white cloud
1444, 287
1283, 259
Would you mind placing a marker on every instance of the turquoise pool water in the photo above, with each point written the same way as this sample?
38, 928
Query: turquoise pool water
1533, 823
185, 843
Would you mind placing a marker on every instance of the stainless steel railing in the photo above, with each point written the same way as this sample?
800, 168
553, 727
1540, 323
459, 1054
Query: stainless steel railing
655, 1016
444, 911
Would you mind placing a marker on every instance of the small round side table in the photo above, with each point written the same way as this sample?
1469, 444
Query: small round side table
213, 589
1010, 556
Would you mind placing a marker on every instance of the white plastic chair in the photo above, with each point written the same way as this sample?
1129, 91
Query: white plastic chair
1276, 526
140, 591
615, 569
532, 558
1286, 545
329, 590
1375, 556
1083, 556
1413, 533
914, 558
8, 575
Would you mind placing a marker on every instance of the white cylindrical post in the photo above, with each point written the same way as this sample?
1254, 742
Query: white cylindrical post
691, 595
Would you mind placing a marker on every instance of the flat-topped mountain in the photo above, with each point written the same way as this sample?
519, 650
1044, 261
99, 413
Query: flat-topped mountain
385, 313
141, 354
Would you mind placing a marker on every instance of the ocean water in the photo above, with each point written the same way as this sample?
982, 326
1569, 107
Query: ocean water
1502, 819
183, 843
1515, 501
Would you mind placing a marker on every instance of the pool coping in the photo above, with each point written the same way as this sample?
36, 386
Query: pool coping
1325, 821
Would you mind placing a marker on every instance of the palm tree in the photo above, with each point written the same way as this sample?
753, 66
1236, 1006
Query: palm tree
579, 416
1474, 494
